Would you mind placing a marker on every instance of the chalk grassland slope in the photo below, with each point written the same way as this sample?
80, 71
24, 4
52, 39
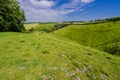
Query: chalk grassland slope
94, 35
39, 26
49, 57
29, 26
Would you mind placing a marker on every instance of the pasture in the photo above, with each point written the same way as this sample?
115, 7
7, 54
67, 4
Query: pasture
50, 56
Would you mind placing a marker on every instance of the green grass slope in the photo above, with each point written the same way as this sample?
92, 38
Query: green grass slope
29, 26
93, 35
39, 56
39, 27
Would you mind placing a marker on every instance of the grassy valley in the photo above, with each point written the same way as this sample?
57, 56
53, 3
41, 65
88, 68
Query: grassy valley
59, 40
39, 56
74, 52
100, 36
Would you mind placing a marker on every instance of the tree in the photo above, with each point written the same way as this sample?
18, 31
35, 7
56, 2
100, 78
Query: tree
113, 19
11, 16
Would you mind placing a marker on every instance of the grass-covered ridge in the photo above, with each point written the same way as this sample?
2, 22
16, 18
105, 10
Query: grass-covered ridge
93, 35
39, 56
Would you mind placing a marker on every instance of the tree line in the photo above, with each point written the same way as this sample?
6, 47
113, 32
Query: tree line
113, 19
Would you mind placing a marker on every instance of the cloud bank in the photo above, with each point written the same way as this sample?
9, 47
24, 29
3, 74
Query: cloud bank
51, 10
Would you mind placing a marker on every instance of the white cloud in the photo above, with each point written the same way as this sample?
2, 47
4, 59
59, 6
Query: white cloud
42, 3
87, 1
74, 5
43, 15
67, 11
44, 10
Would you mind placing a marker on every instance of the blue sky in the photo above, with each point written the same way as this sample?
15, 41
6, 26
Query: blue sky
67, 10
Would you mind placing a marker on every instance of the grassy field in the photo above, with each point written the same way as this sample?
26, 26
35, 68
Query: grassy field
47, 56
94, 35
29, 26
39, 26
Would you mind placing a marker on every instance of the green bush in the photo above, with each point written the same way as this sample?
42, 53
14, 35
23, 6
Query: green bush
31, 30
113, 48
59, 26
11, 16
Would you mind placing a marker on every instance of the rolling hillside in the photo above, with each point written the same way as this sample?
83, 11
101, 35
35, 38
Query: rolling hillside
43, 27
38, 56
59, 40
104, 36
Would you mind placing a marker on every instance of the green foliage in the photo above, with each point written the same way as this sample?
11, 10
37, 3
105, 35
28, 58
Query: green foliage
113, 48
31, 30
11, 16
59, 26
114, 19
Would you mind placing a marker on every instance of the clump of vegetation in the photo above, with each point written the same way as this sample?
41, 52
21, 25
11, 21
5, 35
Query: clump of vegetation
113, 19
31, 30
59, 26
45, 52
112, 48
11, 16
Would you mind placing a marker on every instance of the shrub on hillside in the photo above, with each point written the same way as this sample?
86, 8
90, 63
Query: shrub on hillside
58, 26
113, 49
31, 30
